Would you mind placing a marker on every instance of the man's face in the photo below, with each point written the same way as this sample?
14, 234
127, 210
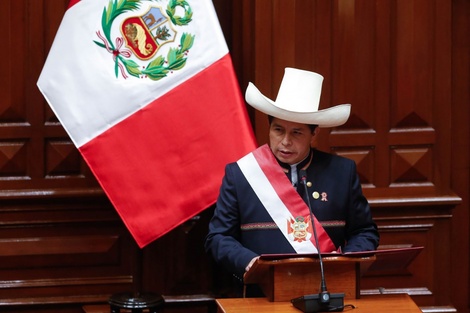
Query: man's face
290, 142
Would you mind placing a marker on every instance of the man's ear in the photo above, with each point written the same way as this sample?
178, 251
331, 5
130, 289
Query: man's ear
314, 136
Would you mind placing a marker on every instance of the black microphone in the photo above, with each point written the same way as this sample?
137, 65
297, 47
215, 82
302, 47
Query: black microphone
323, 301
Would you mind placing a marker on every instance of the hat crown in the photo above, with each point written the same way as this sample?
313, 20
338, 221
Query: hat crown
300, 91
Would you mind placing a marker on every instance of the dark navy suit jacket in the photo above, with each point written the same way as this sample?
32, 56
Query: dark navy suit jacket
242, 229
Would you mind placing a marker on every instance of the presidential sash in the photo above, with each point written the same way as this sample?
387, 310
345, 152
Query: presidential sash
282, 202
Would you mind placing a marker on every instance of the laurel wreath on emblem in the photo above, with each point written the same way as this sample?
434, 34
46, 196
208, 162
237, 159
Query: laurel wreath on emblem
159, 67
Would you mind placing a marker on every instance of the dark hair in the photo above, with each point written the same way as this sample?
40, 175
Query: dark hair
311, 126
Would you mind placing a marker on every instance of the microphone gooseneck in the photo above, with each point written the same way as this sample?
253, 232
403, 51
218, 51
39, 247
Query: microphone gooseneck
324, 294
322, 301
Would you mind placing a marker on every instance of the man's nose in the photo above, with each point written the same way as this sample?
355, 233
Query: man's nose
286, 140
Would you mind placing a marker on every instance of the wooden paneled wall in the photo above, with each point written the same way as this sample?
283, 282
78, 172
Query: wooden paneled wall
402, 64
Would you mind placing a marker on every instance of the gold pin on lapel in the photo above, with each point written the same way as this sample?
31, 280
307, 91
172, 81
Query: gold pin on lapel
315, 195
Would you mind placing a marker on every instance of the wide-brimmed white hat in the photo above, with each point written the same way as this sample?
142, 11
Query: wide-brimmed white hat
298, 100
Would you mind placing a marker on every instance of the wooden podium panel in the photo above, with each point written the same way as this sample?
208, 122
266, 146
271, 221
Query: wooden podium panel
284, 279
369, 304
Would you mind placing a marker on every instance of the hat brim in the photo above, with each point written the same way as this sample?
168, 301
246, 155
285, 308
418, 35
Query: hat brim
330, 117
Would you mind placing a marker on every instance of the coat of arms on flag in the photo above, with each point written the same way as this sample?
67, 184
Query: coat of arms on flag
144, 35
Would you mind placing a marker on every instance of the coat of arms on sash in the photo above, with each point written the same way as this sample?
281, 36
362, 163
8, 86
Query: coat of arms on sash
299, 229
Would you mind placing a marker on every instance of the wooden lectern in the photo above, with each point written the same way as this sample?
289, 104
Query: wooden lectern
288, 276
285, 278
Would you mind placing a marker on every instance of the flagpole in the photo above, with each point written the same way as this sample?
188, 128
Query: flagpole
136, 300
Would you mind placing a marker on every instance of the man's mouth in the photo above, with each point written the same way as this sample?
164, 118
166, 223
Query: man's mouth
285, 153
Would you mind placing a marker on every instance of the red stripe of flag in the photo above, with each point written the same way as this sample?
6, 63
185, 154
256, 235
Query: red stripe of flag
72, 3
164, 164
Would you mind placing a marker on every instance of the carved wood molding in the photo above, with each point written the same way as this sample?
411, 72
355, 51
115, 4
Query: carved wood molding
402, 201
24, 194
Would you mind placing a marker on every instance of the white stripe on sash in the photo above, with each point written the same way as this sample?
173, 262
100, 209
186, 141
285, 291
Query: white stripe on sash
271, 201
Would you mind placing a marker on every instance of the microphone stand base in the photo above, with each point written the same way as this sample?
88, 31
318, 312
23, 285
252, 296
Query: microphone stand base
136, 303
312, 303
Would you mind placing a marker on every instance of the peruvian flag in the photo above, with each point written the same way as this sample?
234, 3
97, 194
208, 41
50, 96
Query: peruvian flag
147, 92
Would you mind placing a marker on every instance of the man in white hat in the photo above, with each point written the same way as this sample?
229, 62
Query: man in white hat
263, 205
